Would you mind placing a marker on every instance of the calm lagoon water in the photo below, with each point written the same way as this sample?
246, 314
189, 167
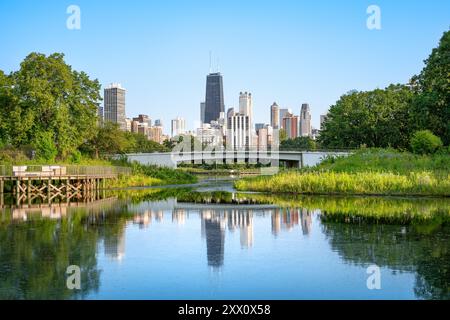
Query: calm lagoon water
160, 247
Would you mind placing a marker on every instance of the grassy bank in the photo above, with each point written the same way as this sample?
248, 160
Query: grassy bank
146, 175
368, 172
388, 161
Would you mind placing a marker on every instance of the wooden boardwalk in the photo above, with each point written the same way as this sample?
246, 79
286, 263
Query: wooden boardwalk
28, 183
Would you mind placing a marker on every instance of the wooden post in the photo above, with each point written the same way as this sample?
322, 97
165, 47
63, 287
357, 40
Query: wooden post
17, 187
85, 189
49, 182
2, 186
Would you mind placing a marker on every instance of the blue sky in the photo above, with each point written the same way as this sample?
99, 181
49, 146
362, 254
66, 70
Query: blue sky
290, 52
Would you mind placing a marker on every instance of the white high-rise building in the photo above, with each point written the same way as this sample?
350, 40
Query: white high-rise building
246, 109
246, 104
238, 131
305, 121
178, 126
210, 134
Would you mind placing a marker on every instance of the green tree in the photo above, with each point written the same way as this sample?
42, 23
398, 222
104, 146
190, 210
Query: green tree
299, 143
282, 135
432, 103
378, 118
141, 144
46, 95
45, 146
108, 140
425, 142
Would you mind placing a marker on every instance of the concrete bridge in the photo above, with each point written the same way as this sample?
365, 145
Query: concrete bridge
291, 159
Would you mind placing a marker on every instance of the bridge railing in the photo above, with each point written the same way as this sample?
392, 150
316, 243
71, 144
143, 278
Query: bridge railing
61, 170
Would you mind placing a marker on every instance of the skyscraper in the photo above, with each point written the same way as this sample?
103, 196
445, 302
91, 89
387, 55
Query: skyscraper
283, 113
178, 126
214, 102
246, 104
100, 113
275, 116
290, 125
323, 118
238, 131
246, 109
305, 121
202, 112
114, 101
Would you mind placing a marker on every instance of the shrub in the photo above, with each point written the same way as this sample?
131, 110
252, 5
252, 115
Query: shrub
9, 155
75, 157
45, 147
425, 142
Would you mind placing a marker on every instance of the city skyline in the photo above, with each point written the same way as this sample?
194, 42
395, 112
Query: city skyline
164, 49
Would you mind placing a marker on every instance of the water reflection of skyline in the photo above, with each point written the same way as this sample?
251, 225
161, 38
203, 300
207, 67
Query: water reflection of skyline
104, 227
214, 223
288, 219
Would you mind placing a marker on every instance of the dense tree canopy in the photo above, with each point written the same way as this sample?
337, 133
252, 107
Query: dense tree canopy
432, 107
377, 118
109, 139
47, 99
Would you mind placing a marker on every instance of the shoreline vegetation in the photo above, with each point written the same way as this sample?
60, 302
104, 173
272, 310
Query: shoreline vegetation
367, 172
149, 176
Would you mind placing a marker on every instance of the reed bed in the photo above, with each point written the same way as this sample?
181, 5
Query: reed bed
359, 183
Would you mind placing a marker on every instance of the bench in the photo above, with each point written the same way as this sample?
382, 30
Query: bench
46, 171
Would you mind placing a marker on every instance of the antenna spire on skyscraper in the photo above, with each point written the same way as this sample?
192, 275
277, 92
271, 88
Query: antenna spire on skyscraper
210, 61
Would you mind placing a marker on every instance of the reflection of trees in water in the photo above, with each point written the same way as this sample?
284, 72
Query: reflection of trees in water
403, 248
34, 255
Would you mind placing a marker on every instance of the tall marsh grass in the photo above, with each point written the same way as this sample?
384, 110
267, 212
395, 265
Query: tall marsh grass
364, 183
367, 172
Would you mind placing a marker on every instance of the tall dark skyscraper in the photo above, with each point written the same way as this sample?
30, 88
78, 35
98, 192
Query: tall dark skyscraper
214, 103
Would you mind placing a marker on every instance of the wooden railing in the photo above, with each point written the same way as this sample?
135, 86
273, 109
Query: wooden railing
61, 170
